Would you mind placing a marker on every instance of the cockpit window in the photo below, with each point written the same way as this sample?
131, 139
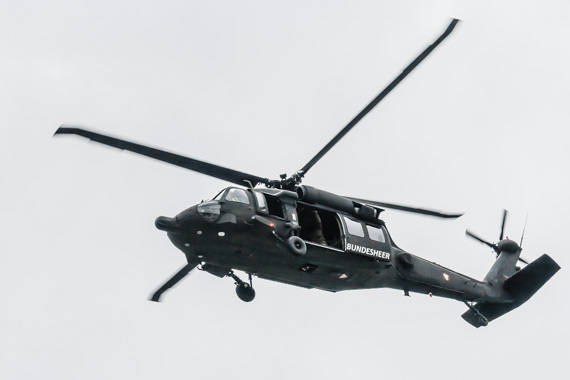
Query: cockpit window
261, 203
354, 228
376, 234
237, 195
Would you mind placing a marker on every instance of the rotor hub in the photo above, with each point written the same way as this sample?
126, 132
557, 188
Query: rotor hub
508, 245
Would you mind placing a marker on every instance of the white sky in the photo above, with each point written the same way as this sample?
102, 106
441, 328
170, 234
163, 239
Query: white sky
261, 86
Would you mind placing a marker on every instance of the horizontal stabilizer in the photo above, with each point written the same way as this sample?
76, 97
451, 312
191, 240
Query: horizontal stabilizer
490, 311
519, 287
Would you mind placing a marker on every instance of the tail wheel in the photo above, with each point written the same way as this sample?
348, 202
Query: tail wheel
245, 292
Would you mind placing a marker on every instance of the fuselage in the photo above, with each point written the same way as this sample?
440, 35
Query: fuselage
246, 229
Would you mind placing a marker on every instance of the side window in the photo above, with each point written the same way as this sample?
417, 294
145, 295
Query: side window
261, 203
376, 234
353, 228
274, 206
237, 195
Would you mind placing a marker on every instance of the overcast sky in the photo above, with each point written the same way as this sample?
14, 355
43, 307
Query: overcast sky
261, 86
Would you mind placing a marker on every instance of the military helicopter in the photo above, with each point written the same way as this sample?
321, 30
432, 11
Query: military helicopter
300, 235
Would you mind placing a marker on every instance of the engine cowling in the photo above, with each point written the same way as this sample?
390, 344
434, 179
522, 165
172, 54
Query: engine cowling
316, 196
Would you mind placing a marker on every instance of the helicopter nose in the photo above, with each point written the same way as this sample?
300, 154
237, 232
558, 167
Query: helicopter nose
167, 224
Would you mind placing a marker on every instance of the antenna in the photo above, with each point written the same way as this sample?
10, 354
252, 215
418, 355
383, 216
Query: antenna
524, 228
248, 182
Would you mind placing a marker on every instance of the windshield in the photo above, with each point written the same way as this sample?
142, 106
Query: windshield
237, 195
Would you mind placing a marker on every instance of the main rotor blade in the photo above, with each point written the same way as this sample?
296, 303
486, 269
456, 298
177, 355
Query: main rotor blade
173, 281
378, 98
505, 212
211, 170
406, 208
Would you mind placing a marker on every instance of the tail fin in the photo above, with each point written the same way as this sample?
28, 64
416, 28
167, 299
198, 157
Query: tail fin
519, 287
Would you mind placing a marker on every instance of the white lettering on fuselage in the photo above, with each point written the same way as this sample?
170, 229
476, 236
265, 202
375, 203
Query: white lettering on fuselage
368, 251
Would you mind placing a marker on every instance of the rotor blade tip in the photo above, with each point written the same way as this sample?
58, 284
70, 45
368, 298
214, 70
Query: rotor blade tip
452, 25
64, 129
59, 131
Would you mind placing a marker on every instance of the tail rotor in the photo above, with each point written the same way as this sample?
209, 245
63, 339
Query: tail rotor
503, 244
505, 213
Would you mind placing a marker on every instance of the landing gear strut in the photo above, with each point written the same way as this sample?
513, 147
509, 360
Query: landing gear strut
244, 290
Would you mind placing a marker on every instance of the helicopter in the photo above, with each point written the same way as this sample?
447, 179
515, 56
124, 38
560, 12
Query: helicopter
284, 231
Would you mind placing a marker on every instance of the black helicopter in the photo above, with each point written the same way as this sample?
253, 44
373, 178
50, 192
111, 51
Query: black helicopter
300, 235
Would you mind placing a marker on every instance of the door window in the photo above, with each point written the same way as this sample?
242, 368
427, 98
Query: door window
376, 234
353, 228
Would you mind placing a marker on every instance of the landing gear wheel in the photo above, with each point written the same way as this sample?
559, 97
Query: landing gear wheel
296, 245
245, 292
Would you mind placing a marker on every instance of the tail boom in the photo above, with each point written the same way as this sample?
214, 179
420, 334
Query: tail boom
517, 289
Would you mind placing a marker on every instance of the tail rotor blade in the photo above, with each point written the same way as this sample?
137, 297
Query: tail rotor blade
523, 260
495, 246
505, 212
471, 234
